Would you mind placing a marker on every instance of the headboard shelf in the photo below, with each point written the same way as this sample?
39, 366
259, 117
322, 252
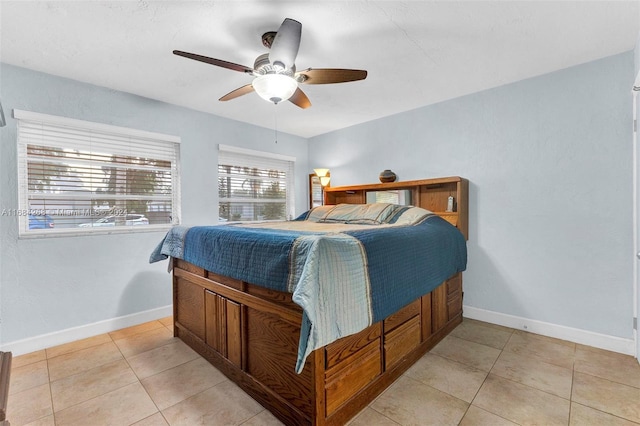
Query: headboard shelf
431, 194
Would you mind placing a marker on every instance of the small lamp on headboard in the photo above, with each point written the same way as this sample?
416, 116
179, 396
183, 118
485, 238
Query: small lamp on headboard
323, 175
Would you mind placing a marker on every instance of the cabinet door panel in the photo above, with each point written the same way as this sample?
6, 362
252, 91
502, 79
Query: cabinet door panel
216, 322
234, 333
190, 310
439, 315
426, 317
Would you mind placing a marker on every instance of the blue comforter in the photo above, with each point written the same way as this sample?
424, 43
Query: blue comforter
344, 281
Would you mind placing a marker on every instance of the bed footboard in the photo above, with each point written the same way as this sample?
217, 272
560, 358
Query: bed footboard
251, 334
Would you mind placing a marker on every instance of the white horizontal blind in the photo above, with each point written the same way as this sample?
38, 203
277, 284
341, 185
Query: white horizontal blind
79, 177
387, 197
254, 186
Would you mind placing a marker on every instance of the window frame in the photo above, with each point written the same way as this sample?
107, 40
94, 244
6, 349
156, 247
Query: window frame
169, 143
266, 156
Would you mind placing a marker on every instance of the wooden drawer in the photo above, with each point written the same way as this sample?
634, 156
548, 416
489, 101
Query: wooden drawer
342, 349
345, 380
454, 305
454, 284
400, 317
401, 341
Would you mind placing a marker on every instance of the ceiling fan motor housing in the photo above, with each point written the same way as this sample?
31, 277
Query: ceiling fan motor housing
262, 66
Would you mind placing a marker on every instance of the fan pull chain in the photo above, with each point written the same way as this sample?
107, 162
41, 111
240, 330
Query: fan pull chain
276, 123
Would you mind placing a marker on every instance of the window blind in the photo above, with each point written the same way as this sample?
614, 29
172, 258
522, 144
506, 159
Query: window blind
254, 186
78, 177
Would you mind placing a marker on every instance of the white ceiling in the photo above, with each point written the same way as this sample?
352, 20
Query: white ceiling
416, 52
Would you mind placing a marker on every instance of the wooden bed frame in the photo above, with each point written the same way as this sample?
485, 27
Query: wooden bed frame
251, 333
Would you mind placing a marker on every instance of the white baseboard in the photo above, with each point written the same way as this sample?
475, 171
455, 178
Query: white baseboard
576, 335
56, 338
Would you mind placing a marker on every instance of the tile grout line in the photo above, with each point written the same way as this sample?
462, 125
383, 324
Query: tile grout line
484, 381
382, 414
532, 387
140, 380
159, 372
61, 378
53, 410
124, 358
573, 378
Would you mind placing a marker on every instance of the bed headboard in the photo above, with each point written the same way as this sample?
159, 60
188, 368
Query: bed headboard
430, 194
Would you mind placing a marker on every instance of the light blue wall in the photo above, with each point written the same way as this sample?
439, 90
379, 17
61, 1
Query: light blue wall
55, 284
549, 162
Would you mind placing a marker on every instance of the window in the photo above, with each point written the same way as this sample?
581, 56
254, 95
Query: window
254, 185
78, 177
398, 196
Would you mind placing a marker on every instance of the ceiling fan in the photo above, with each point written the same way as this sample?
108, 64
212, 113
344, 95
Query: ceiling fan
276, 78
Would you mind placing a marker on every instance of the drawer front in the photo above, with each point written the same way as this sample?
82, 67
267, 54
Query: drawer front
454, 305
343, 348
400, 317
343, 382
401, 341
454, 284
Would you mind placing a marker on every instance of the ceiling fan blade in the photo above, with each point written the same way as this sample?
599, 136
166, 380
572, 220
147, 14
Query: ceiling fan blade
284, 48
214, 61
300, 99
331, 75
238, 92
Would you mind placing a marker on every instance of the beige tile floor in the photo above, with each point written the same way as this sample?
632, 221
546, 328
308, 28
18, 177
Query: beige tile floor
481, 374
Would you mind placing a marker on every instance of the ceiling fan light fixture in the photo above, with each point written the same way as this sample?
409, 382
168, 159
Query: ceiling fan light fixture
275, 87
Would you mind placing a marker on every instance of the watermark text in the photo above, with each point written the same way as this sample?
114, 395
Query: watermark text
64, 212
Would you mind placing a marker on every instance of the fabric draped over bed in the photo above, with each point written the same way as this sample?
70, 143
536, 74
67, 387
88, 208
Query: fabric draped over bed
347, 266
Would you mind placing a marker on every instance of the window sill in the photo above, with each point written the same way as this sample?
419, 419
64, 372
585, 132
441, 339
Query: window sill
71, 232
